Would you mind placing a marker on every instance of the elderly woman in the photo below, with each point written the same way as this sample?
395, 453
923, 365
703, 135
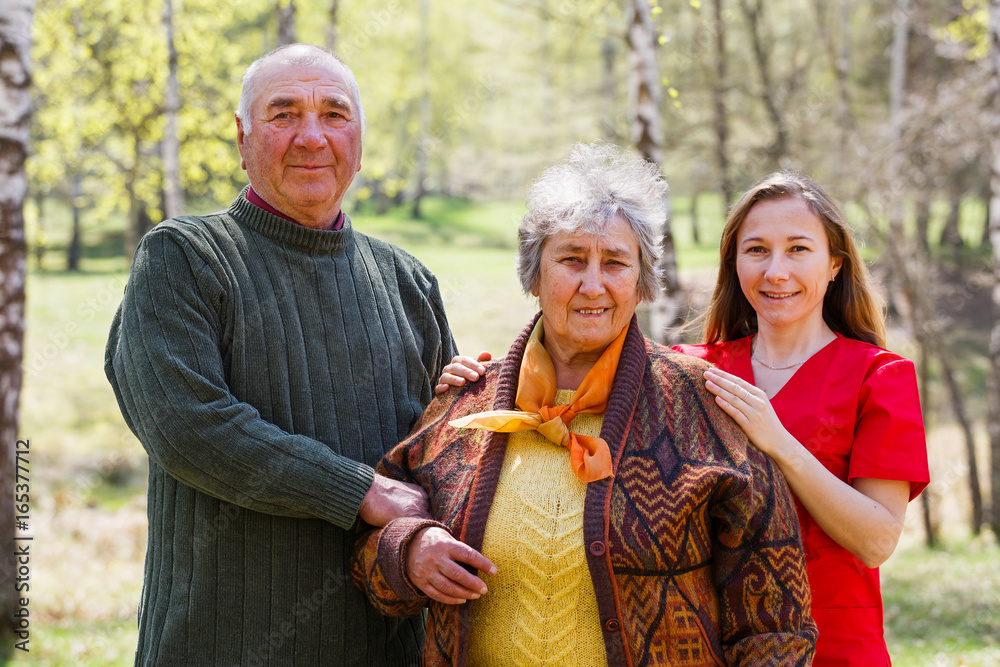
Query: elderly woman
615, 514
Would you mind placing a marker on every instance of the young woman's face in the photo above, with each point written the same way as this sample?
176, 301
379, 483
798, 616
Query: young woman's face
783, 262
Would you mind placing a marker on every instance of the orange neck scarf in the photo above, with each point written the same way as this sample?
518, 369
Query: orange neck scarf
536, 392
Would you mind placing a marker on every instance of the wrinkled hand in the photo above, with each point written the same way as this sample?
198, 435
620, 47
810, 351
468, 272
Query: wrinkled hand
388, 499
749, 407
460, 370
433, 564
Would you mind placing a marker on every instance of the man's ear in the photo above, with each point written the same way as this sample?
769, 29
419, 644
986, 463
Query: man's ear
239, 142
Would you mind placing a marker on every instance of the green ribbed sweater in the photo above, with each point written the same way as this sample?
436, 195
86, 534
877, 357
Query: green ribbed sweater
266, 367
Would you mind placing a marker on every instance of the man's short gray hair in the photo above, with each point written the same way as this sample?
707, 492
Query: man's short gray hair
311, 56
582, 195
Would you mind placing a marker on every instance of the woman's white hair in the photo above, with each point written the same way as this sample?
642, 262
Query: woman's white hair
309, 56
598, 183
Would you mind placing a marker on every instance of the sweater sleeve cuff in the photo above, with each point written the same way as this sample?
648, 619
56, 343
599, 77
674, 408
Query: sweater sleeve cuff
393, 547
351, 483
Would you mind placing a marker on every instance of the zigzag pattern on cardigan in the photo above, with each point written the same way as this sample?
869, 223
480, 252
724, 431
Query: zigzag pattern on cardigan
694, 549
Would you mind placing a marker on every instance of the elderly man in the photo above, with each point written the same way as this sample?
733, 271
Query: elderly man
267, 356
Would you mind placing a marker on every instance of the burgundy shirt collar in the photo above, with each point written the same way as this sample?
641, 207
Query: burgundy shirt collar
255, 199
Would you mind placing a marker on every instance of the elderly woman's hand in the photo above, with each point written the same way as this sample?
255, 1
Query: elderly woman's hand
751, 409
433, 564
460, 370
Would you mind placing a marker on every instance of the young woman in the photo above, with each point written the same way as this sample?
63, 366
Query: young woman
796, 334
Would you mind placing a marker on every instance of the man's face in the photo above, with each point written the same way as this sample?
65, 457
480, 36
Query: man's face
305, 145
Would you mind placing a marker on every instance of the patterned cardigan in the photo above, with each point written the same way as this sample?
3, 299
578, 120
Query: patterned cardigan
693, 545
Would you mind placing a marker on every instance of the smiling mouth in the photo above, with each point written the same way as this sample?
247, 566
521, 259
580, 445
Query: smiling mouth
775, 295
591, 311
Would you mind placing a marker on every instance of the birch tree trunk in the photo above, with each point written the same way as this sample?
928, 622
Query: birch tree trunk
994, 226
170, 146
15, 113
646, 125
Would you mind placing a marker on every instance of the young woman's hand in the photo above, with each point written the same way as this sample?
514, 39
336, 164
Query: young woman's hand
750, 408
462, 369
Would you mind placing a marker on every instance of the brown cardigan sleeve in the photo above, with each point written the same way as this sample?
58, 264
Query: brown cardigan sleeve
764, 597
440, 459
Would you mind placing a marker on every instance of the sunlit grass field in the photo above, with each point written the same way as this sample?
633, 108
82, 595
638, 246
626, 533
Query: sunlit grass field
88, 471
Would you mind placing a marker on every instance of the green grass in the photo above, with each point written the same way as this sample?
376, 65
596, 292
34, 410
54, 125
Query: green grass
83, 644
88, 471
942, 607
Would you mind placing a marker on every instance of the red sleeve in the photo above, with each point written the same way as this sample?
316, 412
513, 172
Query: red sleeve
716, 354
889, 441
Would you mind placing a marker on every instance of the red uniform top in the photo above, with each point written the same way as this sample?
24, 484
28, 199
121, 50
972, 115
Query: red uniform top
855, 407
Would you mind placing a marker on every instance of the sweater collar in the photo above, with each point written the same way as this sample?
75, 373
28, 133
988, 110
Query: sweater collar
289, 233
254, 198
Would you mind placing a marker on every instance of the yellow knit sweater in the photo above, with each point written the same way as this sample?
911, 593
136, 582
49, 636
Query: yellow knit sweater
540, 608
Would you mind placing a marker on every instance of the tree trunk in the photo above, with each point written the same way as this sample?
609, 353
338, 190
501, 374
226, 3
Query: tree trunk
719, 93
15, 114
646, 123
994, 419
545, 79
951, 235
909, 267
923, 214
958, 406
754, 16
695, 236
173, 199
331, 27
984, 239
839, 62
609, 90
645, 85
923, 370
41, 242
286, 22
75, 241
134, 224
423, 140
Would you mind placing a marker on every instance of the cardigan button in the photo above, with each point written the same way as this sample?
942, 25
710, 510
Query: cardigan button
613, 625
597, 548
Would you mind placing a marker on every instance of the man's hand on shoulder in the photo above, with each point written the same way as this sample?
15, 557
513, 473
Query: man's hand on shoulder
462, 369
388, 499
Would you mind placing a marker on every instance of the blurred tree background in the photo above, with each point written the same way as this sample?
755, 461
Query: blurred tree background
891, 105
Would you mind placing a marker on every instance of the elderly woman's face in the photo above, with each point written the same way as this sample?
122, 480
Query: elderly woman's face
588, 290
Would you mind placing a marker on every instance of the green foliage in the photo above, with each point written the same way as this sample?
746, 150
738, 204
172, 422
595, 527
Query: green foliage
98, 103
99, 79
971, 29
